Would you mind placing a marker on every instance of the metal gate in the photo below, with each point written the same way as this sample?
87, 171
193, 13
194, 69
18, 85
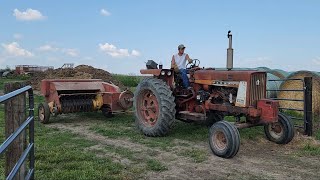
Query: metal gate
307, 102
29, 122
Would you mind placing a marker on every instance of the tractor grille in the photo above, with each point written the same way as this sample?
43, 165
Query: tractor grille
257, 87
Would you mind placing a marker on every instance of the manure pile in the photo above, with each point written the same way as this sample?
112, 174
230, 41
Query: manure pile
79, 72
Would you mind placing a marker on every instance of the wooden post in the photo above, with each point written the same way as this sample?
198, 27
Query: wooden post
308, 106
15, 115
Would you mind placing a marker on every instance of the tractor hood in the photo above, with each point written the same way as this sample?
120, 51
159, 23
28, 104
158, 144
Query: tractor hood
224, 75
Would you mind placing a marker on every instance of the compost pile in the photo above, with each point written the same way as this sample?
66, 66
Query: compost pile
79, 72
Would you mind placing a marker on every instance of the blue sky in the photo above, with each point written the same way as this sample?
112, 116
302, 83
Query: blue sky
121, 35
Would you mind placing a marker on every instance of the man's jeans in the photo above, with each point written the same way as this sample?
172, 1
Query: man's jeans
185, 79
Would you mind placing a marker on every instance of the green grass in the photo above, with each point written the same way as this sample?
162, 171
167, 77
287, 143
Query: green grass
61, 155
123, 152
127, 80
253, 133
123, 126
155, 165
317, 134
310, 150
197, 155
3, 81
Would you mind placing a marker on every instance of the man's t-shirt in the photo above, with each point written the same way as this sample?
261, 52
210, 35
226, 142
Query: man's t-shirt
180, 60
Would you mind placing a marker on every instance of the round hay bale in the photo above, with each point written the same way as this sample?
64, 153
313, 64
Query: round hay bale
299, 95
262, 69
280, 73
273, 85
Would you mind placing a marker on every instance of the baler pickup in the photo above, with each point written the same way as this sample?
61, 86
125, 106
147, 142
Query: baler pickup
82, 95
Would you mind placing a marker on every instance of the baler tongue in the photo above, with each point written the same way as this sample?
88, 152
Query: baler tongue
84, 95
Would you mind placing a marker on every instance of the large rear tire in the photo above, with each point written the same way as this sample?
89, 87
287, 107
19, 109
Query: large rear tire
44, 113
224, 139
281, 132
154, 107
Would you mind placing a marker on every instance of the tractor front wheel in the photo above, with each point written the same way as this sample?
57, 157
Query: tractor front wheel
154, 107
43, 113
281, 132
224, 139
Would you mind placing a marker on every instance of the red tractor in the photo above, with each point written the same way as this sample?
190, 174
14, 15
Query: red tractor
160, 99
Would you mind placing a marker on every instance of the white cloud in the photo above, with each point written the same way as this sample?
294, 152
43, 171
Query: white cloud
48, 47
135, 53
67, 51
28, 15
71, 52
17, 36
15, 50
104, 12
113, 51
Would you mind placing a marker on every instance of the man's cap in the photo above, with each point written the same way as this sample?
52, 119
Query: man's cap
181, 46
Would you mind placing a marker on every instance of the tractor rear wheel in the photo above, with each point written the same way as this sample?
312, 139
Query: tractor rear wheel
154, 107
224, 139
43, 113
281, 132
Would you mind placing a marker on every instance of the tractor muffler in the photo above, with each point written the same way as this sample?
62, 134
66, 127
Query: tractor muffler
230, 52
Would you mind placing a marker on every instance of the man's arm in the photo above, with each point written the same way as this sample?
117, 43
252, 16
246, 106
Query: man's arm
188, 58
173, 62
174, 65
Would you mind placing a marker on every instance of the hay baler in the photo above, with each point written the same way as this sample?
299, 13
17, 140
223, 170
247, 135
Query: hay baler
81, 95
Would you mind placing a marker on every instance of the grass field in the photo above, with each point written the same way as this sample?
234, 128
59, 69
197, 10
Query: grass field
90, 146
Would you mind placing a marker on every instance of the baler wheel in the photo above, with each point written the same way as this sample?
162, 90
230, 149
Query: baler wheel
106, 111
281, 132
154, 107
43, 113
224, 139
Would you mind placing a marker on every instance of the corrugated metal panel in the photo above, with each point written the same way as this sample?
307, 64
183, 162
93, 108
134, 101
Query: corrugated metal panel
257, 87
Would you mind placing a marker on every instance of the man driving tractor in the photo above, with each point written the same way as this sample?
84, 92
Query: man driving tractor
178, 63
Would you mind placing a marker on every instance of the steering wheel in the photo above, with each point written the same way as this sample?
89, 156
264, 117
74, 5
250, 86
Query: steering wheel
194, 63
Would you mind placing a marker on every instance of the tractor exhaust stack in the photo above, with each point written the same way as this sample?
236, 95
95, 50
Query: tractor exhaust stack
230, 52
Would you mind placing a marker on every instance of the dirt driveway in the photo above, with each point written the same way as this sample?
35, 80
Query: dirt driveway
257, 159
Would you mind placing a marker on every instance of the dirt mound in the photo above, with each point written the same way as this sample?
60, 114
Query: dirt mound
79, 72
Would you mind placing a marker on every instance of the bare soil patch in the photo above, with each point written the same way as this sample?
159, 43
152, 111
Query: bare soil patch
256, 159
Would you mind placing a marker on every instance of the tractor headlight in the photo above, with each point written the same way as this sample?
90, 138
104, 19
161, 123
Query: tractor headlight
163, 73
169, 73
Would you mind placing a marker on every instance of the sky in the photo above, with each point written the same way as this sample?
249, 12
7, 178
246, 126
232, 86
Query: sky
121, 35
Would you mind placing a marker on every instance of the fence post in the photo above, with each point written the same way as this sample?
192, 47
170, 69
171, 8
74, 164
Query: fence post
308, 106
15, 115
